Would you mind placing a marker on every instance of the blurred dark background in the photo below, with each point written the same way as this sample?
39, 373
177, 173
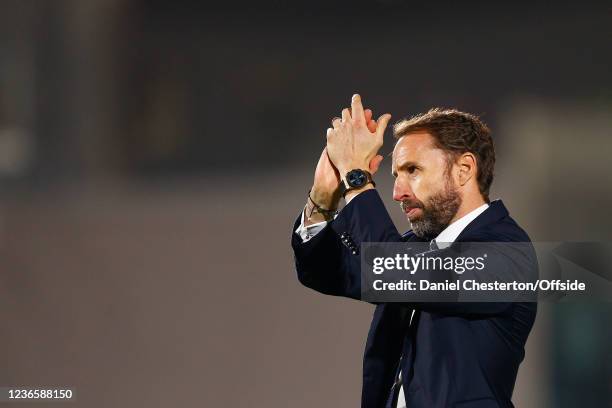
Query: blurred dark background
154, 154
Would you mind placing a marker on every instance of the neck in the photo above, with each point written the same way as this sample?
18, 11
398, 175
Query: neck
467, 206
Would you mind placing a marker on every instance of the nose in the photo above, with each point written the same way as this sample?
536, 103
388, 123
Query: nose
401, 190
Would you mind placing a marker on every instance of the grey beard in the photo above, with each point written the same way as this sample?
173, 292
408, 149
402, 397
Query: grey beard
437, 214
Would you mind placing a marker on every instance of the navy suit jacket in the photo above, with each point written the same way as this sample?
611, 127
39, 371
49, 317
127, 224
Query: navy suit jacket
453, 354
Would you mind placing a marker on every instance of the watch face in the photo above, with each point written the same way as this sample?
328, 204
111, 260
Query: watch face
356, 178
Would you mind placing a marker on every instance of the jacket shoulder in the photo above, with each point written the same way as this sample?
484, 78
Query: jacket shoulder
504, 230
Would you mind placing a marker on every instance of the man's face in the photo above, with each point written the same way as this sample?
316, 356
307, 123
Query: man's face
423, 184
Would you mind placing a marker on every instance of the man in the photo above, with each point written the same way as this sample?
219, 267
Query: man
445, 354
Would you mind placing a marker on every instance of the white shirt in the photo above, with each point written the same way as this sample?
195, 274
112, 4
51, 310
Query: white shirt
443, 240
450, 233
307, 232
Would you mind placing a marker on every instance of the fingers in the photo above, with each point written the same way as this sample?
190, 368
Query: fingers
357, 110
336, 122
375, 163
372, 125
382, 123
346, 115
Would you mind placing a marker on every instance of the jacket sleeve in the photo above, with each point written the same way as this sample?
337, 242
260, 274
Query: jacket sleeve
330, 261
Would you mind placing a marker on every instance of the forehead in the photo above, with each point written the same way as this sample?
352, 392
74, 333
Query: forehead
414, 147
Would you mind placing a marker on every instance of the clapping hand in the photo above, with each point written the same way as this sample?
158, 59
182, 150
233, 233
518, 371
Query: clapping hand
353, 142
325, 189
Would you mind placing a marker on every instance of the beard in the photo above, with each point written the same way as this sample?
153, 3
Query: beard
438, 211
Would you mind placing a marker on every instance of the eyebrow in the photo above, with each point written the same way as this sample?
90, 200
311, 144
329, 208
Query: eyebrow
404, 166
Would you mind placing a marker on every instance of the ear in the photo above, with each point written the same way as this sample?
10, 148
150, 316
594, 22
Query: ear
467, 167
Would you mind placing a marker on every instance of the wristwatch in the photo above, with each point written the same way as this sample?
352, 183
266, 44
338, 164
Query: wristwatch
355, 179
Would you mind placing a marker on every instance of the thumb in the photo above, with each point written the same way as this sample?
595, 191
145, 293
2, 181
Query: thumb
375, 163
382, 122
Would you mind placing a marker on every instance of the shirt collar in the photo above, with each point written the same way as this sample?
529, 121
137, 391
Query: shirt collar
450, 233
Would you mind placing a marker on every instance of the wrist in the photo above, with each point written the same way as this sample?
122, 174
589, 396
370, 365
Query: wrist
311, 216
315, 212
327, 198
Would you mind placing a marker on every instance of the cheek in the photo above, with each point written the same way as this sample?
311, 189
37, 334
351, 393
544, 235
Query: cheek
429, 184
420, 187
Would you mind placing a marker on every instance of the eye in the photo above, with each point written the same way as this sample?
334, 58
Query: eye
411, 169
